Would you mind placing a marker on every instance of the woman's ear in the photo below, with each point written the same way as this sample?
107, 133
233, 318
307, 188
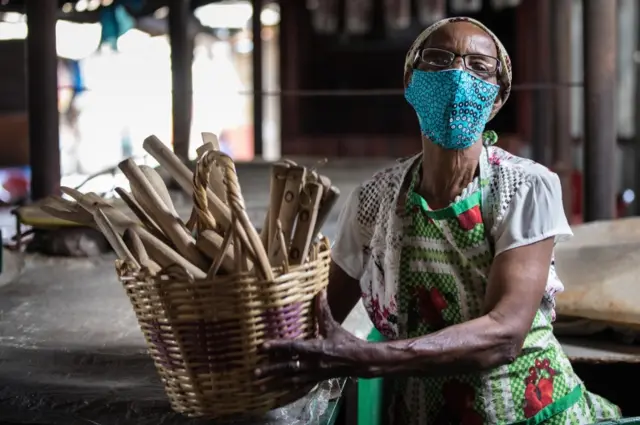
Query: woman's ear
407, 77
497, 104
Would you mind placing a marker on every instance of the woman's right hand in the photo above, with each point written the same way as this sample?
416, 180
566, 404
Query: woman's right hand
337, 354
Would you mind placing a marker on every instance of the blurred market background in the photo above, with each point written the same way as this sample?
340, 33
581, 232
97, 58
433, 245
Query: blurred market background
325, 77
84, 82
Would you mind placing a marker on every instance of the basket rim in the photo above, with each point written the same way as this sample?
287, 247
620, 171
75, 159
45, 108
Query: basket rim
128, 273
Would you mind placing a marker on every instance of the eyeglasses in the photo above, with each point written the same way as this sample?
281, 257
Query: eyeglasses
442, 59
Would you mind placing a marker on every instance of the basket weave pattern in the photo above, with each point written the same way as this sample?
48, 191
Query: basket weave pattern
204, 335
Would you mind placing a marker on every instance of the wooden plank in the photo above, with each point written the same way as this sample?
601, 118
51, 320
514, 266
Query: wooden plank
599, 269
588, 350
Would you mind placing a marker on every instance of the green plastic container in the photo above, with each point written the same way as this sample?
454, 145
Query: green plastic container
370, 393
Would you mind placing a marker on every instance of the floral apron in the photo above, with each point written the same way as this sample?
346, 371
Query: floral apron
444, 269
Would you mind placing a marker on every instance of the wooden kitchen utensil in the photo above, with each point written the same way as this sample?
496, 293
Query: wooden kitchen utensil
277, 182
135, 245
172, 164
114, 239
327, 203
157, 183
161, 252
170, 224
140, 213
305, 223
291, 200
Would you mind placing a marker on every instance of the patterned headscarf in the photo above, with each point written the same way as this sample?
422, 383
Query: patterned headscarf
504, 76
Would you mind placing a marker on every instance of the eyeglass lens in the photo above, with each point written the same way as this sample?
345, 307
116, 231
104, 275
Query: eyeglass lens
438, 58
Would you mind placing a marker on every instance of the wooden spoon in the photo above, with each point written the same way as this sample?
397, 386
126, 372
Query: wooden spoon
158, 185
168, 222
135, 245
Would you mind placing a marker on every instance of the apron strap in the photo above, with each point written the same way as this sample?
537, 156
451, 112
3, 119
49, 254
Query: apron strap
487, 200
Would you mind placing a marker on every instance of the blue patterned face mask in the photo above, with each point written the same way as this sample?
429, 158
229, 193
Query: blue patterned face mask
453, 106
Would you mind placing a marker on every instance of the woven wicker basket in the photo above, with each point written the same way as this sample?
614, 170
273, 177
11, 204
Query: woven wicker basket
204, 335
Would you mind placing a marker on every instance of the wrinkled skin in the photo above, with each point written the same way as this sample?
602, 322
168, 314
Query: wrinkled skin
339, 354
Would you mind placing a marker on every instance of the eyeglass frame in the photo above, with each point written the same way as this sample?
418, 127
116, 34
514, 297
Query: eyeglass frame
464, 62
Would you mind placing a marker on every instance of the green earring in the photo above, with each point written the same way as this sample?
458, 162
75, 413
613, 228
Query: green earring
489, 138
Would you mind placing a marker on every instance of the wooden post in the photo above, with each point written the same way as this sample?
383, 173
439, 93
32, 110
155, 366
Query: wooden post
291, 24
181, 75
258, 107
600, 120
562, 141
542, 98
42, 94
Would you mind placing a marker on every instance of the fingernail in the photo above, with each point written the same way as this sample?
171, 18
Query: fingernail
257, 372
263, 388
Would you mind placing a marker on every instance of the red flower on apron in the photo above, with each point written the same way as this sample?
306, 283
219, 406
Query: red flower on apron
470, 218
539, 390
431, 304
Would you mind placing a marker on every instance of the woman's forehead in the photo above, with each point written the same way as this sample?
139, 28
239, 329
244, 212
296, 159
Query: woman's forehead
455, 35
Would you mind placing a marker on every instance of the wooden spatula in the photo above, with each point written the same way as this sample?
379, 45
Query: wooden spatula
305, 223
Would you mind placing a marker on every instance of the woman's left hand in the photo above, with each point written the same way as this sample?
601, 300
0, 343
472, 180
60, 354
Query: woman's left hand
338, 354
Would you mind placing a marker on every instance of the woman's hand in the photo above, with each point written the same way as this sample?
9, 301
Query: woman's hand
338, 354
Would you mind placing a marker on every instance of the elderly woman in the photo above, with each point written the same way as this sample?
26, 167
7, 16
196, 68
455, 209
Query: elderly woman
452, 253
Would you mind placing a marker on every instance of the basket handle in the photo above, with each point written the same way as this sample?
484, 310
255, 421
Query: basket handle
240, 219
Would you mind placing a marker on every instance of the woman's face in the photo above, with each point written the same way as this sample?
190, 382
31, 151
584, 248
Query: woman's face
461, 38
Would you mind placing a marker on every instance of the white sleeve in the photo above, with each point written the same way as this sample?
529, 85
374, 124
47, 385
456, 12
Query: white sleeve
347, 249
535, 213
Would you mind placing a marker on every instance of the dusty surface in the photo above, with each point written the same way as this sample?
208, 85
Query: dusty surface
12, 265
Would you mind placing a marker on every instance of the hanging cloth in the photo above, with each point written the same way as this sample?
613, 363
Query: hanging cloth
431, 11
359, 16
397, 14
116, 21
324, 16
76, 76
465, 6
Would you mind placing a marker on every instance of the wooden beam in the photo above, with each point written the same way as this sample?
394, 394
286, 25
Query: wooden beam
258, 98
42, 94
181, 75
600, 119
562, 17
